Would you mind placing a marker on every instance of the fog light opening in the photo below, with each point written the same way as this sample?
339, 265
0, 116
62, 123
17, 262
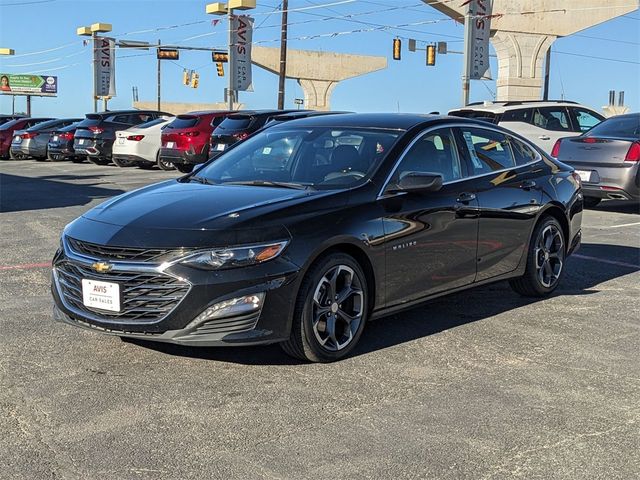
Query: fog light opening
230, 308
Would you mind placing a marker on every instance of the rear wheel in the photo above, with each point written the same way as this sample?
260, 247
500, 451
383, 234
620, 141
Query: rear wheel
184, 167
123, 163
591, 202
163, 164
330, 312
545, 260
99, 161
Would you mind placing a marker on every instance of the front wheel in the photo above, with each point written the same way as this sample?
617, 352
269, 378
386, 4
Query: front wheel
330, 312
545, 260
184, 167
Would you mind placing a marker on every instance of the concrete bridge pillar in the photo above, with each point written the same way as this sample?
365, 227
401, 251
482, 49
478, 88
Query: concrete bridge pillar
318, 73
521, 58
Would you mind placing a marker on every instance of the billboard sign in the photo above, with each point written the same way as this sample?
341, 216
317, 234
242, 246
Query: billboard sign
37, 85
480, 11
104, 63
240, 66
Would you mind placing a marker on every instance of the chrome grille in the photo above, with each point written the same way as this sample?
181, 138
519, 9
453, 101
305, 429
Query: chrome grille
120, 253
146, 297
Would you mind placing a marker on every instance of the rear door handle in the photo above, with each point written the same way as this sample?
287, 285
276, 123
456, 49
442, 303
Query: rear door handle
544, 137
527, 185
466, 197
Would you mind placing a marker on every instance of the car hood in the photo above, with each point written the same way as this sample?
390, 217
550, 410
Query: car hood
193, 206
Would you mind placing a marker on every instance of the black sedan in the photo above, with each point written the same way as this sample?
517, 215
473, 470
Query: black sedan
304, 232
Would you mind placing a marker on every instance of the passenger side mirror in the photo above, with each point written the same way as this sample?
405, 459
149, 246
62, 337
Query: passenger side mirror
417, 182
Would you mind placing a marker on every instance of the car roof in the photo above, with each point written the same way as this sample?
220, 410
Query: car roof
392, 121
198, 113
120, 112
304, 114
501, 107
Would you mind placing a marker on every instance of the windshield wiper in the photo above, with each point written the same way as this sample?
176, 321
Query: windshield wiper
201, 180
269, 183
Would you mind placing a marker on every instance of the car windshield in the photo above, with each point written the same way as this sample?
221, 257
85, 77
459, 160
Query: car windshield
151, 123
319, 157
237, 122
623, 127
181, 121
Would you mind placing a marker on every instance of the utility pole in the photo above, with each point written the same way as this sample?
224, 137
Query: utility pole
283, 55
467, 54
159, 63
547, 72
28, 105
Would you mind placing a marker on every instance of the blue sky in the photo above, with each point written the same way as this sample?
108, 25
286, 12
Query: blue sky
408, 85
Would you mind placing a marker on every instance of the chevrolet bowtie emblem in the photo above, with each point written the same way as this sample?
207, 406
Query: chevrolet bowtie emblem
102, 267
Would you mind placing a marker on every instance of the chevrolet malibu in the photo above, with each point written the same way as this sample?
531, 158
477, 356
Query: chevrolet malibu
311, 228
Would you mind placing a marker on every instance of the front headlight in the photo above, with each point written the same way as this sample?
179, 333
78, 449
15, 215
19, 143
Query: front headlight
234, 257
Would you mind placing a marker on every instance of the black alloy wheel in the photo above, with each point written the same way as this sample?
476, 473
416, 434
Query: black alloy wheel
163, 164
545, 260
330, 312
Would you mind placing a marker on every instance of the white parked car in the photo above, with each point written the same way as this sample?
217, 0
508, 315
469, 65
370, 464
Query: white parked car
541, 122
139, 145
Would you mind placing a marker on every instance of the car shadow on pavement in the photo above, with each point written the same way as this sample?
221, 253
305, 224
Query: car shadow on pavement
19, 193
618, 207
584, 273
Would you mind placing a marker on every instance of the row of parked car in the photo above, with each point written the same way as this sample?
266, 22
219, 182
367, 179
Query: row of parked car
605, 153
141, 138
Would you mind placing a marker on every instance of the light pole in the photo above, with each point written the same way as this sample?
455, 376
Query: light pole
11, 51
220, 8
92, 31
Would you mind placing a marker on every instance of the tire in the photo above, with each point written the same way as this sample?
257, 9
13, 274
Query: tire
78, 159
15, 156
545, 260
123, 163
164, 165
99, 161
591, 202
320, 331
184, 167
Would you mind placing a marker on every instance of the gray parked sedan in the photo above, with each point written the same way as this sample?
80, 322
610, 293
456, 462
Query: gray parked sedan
33, 141
607, 158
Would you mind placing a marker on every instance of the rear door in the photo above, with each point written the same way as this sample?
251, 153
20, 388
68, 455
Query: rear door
430, 237
509, 194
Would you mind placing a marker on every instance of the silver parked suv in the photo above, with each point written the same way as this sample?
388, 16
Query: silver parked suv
541, 122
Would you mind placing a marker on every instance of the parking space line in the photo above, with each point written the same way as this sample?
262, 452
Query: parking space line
624, 225
25, 266
610, 262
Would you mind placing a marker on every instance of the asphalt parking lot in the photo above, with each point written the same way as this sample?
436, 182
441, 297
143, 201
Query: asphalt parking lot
479, 385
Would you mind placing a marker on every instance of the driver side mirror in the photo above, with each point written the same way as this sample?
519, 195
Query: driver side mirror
417, 182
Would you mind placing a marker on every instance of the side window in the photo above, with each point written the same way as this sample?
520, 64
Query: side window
489, 150
522, 153
555, 119
434, 152
521, 115
584, 119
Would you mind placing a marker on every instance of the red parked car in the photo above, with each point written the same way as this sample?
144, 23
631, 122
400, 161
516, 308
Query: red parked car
185, 141
7, 130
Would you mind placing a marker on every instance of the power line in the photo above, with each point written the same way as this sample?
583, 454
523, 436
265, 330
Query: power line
620, 60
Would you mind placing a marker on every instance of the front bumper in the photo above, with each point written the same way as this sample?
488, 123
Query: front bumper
187, 157
184, 324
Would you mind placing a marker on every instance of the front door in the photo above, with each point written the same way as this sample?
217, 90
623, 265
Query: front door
430, 237
509, 191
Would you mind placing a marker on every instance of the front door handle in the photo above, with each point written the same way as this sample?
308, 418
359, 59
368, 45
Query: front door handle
527, 185
466, 197
544, 137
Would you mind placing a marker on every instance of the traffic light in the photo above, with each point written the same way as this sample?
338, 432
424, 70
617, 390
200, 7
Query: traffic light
220, 69
219, 56
168, 54
186, 77
431, 55
195, 79
397, 48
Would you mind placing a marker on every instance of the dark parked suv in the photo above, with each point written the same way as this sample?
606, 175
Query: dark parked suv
185, 141
238, 127
60, 146
95, 135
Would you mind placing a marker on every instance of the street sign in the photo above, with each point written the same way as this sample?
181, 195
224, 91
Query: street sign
134, 44
240, 64
40, 85
480, 30
104, 61
168, 54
